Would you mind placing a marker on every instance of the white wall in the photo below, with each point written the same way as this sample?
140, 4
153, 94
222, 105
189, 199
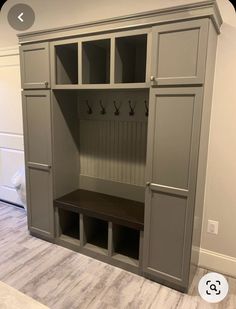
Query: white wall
11, 132
219, 251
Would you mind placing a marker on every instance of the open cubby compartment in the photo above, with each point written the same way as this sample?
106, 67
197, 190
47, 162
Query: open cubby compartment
96, 62
69, 226
96, 234
126, 244
66, 64
130, 59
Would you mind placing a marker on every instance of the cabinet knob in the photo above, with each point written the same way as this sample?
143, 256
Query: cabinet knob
46, 84
148, 183
152, 78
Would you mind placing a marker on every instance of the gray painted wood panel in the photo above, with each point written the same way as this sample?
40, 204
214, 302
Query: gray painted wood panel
35, 66
167, 226
38, 161
65, 143
172, 140
170, 198
179, 53
40, 200
38, 123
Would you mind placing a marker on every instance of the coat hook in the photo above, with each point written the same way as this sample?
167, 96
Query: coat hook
131, 113
147, 109
117, 111
103, 110
89, 111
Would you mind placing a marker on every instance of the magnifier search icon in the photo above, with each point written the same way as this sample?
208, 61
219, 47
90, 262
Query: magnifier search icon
213, 287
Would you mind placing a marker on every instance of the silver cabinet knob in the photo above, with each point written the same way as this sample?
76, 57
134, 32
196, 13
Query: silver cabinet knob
152, 78
46, 84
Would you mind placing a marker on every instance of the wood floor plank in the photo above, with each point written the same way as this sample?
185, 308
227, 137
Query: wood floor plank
63, 279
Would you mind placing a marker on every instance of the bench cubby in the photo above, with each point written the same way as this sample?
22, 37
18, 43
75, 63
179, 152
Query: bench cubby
69, 225
126, 242
95, 234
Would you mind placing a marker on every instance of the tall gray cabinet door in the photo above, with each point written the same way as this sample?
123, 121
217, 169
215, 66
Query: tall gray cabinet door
173, 140
35, 66
38, 161
179, 53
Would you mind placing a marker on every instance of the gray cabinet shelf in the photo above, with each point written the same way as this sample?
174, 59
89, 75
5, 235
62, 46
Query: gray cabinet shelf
118, 62
96, 62
66, 62
130, 59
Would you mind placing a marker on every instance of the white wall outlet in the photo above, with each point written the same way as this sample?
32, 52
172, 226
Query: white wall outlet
212, 227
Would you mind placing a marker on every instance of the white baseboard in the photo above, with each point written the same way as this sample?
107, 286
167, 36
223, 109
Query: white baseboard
9, 195
217, 262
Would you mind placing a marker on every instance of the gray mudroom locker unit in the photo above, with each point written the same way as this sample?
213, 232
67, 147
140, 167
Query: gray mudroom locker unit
116, 124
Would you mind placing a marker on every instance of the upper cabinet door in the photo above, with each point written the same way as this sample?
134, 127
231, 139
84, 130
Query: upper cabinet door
35, 69
179, 53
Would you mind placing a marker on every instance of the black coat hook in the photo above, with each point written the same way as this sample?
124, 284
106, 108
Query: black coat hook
117, 111
89, 111
147, 109
103, 110
132, 108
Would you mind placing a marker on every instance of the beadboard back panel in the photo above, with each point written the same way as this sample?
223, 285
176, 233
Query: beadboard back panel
113, 150
113, 146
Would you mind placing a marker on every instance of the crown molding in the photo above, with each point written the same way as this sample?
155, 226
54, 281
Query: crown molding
204, 9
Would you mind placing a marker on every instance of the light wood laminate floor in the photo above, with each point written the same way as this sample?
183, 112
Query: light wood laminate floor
62, 279
10, 298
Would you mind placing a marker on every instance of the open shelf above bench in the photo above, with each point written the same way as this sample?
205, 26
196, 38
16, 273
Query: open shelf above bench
110, 208
96, 62
130, 59
66, 64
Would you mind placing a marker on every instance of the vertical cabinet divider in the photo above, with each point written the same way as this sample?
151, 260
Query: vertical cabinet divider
110, 239
112, 63
79, 62
82, 240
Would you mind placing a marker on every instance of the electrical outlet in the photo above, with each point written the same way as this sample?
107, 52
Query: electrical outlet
212, 227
